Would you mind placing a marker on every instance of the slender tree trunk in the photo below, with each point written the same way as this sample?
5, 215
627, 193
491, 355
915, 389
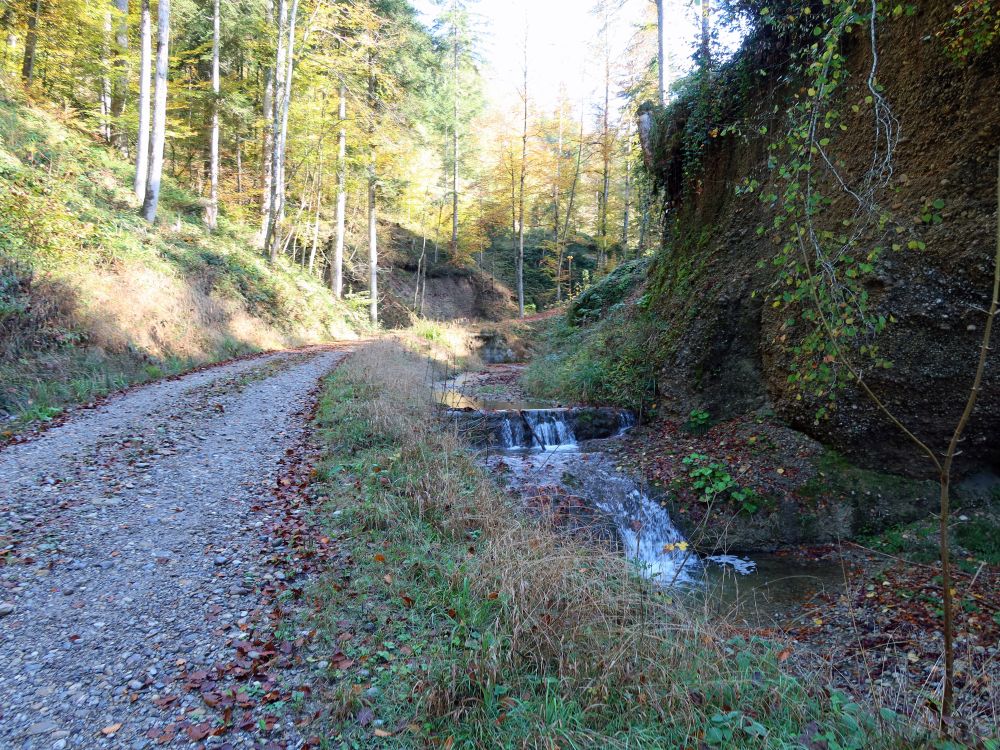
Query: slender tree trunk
145, 66
159, 131
372, 195
7, 24
31, 44
706, 35
273, 210
319, 198
661, 58
106, 92
628, 194
286, 105
572, 201
283, 98
120, 87
212, 214
602, 259
267, 138
239, 167
524, 170
454, 142
556, 184
338, 248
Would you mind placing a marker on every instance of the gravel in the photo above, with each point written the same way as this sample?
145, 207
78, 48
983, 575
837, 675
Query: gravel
130, 533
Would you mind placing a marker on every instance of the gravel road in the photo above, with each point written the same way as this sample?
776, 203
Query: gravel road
132, 553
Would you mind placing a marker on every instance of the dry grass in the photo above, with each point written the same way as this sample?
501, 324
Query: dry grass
591, 650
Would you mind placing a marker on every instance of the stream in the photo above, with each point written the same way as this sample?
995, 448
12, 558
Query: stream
534, 445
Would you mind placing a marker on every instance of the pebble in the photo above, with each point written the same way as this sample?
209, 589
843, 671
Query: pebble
6, 608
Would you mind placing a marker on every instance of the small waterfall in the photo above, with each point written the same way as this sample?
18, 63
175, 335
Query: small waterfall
549, 428
649, 537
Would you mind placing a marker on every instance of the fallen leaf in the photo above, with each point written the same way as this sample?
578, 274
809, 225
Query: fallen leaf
382, 733
111, 730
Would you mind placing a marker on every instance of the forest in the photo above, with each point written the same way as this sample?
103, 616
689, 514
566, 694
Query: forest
449, 373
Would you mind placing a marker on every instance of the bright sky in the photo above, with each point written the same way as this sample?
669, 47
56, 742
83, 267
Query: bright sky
562, 39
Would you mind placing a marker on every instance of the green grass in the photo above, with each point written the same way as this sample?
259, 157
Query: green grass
450, 634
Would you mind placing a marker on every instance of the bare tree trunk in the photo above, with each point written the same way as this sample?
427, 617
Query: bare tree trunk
661, 58
31, 44
283, 98
239, 167
372, 240
267, 138
142, 139
454, 142
628, 194
119, 90
524, 169
270, 240
319, 198
572, 201
706, 35
159, 131
372, 195
7, 21
556, 184
106, 77
338, 250
602, 258
212, 213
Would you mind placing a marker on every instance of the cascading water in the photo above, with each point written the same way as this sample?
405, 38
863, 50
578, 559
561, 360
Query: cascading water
548, 450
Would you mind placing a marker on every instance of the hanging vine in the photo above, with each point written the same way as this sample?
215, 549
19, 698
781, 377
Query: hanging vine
828, 254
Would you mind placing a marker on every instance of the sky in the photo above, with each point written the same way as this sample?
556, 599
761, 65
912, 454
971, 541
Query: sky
562, 35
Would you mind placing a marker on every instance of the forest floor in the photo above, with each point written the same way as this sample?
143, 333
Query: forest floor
147, 553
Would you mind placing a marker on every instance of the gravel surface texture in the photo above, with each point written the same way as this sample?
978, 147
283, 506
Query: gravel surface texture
131, 543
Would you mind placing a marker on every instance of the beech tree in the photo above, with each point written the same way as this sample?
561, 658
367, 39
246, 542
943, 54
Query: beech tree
154, 175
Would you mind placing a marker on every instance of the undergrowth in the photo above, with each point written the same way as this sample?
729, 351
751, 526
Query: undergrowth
461, 622
93, 299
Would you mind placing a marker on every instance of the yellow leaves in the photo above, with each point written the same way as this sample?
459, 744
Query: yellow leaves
676, 546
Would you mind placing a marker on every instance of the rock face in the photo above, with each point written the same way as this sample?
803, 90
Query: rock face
732, 351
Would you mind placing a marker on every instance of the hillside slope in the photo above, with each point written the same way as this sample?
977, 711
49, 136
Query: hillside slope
92, 298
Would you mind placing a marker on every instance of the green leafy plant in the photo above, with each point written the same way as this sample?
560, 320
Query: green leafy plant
711, 480
698, 421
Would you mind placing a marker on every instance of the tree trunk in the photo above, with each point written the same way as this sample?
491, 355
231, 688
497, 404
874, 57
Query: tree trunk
120, 87
7, 21
239, 167
267, 140
270, 240
524, 169
212, 213
319, 199
572, 201
555, 199
283, 96
661, 58
372, 195
602, 258
372, 240
142, 139
628, 194
106, 62
159, 130
338, 249
706, 35
31, 44
454, 142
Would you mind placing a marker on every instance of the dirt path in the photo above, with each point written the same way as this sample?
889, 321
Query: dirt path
131, 541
